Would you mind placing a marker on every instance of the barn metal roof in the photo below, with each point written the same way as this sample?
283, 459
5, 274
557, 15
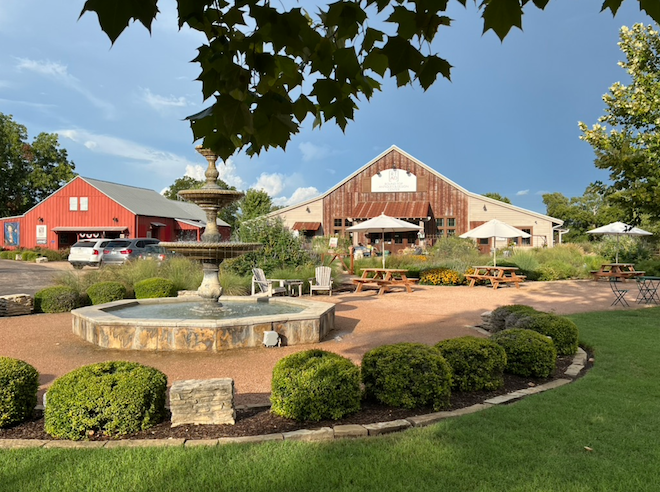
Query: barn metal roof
142, 201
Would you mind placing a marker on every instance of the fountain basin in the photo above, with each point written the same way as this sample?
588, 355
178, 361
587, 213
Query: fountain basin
102, 327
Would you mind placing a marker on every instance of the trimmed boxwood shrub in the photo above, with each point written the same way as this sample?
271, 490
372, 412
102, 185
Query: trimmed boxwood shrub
154, 287
106, 292
477, 363
107, 398
19, 382
563, 331
528, 353
503, 316
315, 385
408, 375
57, 299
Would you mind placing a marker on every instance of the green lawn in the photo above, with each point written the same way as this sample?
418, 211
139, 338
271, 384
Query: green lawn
537, 444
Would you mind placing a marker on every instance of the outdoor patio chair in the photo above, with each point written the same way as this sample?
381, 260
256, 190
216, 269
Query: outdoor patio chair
322, 281
266, 285
619, 293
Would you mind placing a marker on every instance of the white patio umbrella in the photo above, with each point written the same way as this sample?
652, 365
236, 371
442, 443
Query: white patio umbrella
494, 229
619, 229
384, 223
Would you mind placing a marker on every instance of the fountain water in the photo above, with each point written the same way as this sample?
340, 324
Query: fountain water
149, 324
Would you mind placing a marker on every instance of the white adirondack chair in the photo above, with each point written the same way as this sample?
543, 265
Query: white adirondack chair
266, 285
322, 281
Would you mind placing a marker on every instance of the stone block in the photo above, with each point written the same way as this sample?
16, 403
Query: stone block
387, 427
350, 430
322, 434
252, 439
22, 443
144, 443
202, 401
16, 305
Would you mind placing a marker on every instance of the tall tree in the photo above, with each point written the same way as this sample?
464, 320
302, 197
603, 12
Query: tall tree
255, 204
630, 147
267, 69
30, 171
497, 196
580, 214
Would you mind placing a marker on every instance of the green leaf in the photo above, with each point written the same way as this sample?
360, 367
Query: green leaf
614, 5
115, 15
371, 37
651, 7
501, 16
406, 21
377, 62
430, 69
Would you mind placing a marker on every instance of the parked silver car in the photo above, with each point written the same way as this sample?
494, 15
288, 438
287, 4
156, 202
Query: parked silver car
88, 252
155, 252
119, 251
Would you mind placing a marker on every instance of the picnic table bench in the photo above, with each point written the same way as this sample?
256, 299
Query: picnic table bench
617, 270
496, 276
385, 279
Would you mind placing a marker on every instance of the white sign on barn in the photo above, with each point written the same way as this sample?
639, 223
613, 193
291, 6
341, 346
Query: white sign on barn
393, 180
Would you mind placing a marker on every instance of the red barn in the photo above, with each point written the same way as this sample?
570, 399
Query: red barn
91, 208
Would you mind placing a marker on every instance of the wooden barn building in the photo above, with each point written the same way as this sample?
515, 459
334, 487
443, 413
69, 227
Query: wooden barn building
88, 208
397, 184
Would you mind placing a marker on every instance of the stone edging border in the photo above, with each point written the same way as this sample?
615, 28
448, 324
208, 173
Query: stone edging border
322, 434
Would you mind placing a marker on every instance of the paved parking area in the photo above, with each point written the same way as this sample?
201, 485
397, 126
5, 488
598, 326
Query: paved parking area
20, 277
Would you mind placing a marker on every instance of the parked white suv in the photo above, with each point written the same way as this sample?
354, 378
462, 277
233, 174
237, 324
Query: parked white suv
87, 252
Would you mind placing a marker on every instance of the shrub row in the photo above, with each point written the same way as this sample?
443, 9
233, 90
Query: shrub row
315, 385
61, 298
563, 332
108, 398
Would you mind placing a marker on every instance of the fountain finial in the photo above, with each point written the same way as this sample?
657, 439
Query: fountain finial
211, 173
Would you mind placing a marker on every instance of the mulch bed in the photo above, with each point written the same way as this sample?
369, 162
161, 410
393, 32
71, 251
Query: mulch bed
258, 421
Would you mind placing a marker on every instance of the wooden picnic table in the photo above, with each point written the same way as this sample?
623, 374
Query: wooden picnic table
618, 270
496, 275
385, 279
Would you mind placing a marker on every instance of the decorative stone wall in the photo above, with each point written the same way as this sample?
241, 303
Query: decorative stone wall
98, 325
16, 305
202, 401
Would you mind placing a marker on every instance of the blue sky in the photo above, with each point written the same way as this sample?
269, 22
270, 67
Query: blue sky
506, 123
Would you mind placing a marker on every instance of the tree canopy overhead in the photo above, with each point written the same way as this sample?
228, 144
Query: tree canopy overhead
266, 67
630, 148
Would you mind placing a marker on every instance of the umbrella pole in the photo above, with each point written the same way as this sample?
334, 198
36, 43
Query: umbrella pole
382, 248
495, 251
616, 257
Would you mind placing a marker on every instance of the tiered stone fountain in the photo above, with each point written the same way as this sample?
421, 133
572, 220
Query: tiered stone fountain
211, 251
204, 324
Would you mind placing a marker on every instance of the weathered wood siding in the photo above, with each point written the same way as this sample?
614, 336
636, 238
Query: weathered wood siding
445, 199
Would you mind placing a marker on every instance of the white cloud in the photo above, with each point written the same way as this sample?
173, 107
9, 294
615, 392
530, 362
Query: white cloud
163, 103
196, 172
273, 184
227, 170
298, 196
311, 152
522, 193
59, 73
157, 161
541, 192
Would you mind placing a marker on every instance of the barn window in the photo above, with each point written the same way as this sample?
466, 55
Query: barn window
84, 203
73, 203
